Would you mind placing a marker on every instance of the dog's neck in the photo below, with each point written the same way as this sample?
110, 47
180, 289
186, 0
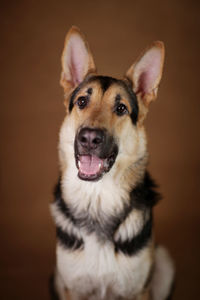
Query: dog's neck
108, 224
110, 193
102, 197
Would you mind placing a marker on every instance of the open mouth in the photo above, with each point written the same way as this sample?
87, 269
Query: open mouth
95, 153
92, 168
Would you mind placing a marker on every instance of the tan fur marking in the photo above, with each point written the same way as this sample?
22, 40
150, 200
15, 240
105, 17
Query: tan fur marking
99, 114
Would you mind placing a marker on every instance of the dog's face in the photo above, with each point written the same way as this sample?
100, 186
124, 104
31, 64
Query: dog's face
104, 123
105, 109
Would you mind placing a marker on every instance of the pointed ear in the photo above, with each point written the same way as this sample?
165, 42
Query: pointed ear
77, 60
145, 74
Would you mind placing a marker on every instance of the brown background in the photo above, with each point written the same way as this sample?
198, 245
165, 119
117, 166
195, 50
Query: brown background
32, 36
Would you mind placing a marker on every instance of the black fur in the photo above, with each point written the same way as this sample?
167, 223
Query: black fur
90, 91
138, 242
104, 226
144, 194
118, 98
75, 92
142, 197
69, 241
106, 82
73, 96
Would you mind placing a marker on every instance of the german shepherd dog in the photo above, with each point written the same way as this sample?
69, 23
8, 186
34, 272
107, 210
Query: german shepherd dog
104, 197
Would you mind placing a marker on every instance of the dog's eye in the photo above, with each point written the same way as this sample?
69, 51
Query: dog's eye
121, 109
82, 102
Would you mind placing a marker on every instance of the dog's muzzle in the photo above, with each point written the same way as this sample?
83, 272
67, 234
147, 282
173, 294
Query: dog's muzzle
95, 153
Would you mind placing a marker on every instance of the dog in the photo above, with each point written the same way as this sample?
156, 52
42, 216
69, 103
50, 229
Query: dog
105, 195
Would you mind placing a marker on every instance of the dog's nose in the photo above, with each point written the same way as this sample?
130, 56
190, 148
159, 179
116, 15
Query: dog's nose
91, 138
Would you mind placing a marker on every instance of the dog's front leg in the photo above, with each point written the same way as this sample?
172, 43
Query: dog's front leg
61, 291
144, 296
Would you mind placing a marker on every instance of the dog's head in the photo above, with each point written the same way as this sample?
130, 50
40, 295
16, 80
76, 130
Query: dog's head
104, 122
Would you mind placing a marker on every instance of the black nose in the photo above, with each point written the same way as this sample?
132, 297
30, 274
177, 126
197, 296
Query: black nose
90, 138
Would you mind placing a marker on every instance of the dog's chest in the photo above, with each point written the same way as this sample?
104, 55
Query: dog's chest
98, 271
104, 251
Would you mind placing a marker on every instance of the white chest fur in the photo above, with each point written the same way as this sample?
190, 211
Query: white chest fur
99, 270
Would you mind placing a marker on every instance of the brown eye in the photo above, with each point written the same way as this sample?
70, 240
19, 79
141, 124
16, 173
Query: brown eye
121, 109
82, 102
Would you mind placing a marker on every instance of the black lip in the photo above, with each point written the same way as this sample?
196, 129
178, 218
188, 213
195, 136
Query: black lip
95, 177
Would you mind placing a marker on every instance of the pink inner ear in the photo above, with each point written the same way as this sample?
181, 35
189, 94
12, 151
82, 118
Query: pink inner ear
148, 71
76, 60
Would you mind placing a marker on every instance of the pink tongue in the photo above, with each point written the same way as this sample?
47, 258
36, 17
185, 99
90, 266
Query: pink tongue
90, 165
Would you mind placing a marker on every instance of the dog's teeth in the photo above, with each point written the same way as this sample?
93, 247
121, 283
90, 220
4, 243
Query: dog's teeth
79, 164
99, 165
